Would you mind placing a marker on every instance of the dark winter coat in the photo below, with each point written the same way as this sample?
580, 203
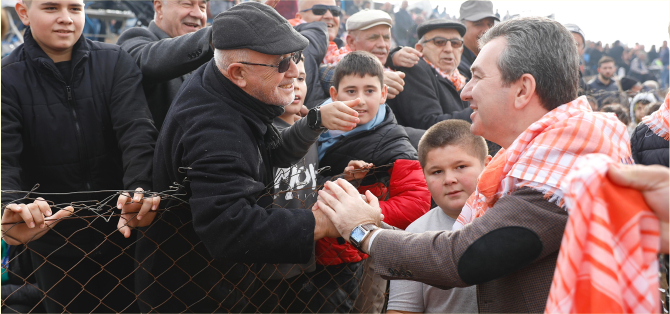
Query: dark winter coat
427, 99
467, 59
214, 146
649, 148
87, 132
165, 62
317, 34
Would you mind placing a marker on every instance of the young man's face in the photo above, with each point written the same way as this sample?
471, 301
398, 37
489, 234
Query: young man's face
56, 25
606, 70
476, 30
375, 40
446, 58
300, 87
333, 22
451, 173
179, 17
367, 88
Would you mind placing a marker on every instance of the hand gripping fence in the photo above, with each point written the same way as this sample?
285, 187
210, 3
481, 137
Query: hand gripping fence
83, 264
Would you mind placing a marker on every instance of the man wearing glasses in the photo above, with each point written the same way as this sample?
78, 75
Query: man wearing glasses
218, 146
433, 85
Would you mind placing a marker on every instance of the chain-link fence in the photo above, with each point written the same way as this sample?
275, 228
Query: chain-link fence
84, 264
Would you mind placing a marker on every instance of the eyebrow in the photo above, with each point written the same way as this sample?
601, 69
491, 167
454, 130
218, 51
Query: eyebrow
475, 68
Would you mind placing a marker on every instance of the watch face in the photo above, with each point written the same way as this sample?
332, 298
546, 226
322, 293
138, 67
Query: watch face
357, 234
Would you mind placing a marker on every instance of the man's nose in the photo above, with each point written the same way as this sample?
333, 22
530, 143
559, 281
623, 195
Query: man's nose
328, 15
449, 178
466, 93
197, 13
64, 17
292, 71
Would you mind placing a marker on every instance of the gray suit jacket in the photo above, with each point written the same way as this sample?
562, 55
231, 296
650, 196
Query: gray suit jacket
165, 62
509, 253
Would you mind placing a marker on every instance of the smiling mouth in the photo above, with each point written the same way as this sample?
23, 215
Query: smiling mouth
192, 25
286, 86
64, 32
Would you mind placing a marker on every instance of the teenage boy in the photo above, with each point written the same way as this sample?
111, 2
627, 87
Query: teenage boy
452, 159
74, 118
378, 140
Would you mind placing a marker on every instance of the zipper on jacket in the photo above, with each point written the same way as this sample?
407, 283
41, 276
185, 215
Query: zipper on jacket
76, 124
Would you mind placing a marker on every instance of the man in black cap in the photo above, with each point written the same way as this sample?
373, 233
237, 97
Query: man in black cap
219, 147
432, 86
478, 18
580, 38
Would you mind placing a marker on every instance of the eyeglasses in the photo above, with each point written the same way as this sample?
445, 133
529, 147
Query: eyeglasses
441, 42
320, 9
283, 64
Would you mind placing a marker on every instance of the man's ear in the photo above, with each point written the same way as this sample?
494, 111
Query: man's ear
525, 91
350, 42
418, 47
236, 74
333, 93
298, 15
22, 11
384, 94
158, 7
487, 160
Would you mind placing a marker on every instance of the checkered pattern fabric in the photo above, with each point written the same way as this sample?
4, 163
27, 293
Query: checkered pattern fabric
543, 154
607, 262
455, 77
658, 121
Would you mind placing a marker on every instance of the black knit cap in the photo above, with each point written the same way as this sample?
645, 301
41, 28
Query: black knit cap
257, 27
430, 25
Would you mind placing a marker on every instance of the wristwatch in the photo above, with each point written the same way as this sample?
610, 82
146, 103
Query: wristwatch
359, 234
314, 119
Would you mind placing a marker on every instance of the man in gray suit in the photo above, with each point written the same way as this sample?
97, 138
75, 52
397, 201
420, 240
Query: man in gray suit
510, 251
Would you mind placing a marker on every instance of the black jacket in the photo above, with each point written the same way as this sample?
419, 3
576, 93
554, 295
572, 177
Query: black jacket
648, 148
317, 34
381, 145
165, 62
428, 98
467, 59
214, 147
91, 131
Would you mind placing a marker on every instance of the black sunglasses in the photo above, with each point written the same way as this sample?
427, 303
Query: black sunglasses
320, 9
283, 65
441, 42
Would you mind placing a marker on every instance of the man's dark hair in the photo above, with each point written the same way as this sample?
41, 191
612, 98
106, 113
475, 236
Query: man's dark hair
605, 59
592, 100
651, 108
359, 63
542, 48
619, 111
452, 132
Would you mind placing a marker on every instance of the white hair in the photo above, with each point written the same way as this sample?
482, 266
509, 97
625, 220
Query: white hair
223, 58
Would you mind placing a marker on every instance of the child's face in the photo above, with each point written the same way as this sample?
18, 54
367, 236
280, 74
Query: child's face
367, 88
300, 87
451, 173
56, 24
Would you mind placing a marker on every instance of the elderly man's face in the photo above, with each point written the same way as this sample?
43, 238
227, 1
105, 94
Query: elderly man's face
476, 30
490, 100
267, 84
446, 58
331, 21
376, 40
180, 17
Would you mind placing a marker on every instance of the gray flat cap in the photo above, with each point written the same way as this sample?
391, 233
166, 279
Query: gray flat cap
258, 27
430, 25
366, 19
575, 29
474, 10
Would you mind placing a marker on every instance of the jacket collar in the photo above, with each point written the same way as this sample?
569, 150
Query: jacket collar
40, 59
158, 31
468, 54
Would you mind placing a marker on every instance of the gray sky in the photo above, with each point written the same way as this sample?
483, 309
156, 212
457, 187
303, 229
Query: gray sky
645, 22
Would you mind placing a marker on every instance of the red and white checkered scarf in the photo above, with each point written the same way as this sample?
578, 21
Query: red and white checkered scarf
455, 77
542, 155
608, 257
658, 121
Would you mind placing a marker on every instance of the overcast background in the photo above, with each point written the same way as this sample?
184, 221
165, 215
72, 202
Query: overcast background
644, 22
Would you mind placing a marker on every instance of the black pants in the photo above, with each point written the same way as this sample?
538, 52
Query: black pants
83, 279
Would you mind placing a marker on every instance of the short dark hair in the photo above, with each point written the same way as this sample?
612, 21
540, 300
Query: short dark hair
359, 63
610, 100
619, 111
651, 108
605, 59
452, 132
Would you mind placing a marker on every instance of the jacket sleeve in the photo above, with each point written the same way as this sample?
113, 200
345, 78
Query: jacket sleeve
419, 104
518, 230
168, 58
135, 131
317, 34
409, 197
12, 145
296, 141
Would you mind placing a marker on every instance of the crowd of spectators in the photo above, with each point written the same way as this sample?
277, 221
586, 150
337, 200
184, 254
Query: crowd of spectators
225, 98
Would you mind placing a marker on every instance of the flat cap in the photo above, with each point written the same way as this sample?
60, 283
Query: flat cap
575, 29
474, 10
366, 19
257, 27
430, 25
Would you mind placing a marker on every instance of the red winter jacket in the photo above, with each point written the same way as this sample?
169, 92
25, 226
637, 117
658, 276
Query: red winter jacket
408, 199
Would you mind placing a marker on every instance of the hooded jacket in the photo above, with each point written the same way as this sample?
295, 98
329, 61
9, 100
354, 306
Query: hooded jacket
648, 148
